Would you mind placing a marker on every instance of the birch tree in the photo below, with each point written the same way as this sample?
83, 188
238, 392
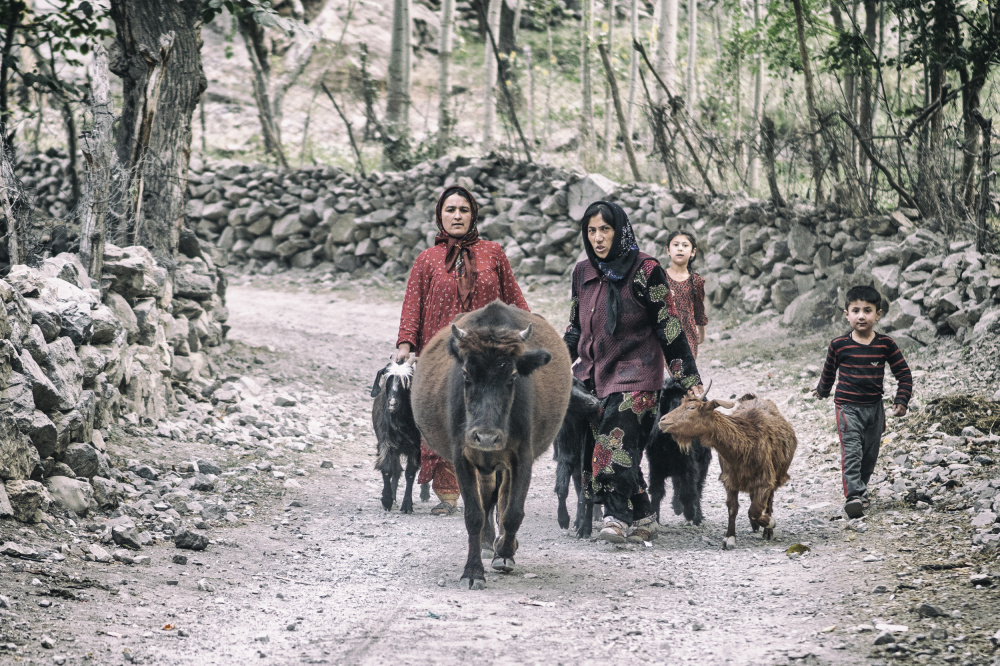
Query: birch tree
444, 79
489, 93
633, 71
758, 97
692, 55
587, 112
397, 109
667, 52
609, 136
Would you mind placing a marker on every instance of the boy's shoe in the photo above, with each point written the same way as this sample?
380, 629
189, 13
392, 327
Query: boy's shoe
613, 531
643, 530
854, 508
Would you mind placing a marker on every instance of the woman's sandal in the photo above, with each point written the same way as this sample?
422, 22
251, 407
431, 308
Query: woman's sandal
445, 508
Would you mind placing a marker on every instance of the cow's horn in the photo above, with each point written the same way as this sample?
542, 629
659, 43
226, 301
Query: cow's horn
526, 333
457, 332
704, 395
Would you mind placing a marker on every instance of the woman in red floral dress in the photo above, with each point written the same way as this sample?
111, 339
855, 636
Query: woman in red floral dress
461, 273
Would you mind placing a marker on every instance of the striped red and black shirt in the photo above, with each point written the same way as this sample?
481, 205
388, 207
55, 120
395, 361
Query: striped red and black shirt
862, 368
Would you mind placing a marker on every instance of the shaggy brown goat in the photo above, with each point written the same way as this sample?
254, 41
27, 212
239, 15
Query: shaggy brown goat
755, 445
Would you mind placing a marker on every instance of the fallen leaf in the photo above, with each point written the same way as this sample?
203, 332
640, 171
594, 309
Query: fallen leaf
168, 627
826, 630
797, 549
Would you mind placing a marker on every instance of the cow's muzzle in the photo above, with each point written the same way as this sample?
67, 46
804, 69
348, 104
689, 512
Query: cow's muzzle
485, 439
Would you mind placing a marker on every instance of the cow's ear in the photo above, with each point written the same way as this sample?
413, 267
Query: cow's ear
532, 360
453, 347
377, 386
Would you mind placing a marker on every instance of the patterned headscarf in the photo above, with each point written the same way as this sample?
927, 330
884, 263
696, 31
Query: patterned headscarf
622, 256
459, 256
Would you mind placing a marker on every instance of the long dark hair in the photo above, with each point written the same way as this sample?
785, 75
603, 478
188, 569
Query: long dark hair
690, 237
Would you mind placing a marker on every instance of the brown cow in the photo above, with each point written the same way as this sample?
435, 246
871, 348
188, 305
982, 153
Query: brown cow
489, 395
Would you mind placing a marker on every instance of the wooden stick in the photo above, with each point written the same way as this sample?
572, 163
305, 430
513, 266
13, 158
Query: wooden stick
503, 84
622, 125
350, 134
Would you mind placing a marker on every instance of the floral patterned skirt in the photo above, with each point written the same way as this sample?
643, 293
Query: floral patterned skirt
614, 477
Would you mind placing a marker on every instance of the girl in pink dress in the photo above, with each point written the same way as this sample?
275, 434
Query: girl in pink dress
687, 287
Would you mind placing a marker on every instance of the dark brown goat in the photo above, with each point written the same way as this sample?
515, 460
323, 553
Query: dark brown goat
489, 395
755, 445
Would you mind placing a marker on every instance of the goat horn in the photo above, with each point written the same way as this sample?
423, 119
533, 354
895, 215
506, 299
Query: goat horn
457, 332
704, 395
526, 333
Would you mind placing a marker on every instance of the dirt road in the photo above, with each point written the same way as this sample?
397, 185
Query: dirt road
319, 573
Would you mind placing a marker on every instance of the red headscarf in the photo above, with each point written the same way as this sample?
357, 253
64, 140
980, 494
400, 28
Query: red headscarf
459, 256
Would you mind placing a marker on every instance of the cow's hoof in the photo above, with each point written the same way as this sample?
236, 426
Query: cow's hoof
407, 507
754, 526
474, 583
729, 543
487, 553
387, 507
503, 564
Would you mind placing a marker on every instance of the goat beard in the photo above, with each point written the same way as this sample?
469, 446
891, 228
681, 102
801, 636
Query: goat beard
683, 444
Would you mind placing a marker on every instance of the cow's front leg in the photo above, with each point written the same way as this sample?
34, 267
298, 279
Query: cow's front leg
513, 493
474, 573
488, 498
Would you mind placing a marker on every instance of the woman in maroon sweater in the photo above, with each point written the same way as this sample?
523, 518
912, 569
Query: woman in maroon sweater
624, 330
460, 273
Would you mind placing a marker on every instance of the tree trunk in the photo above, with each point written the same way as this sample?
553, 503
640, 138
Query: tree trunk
850, 92
296, 60
11, 20
627, 140
814, 126
549, 64
633, 70
667, 52
767, 146
530, 67
983, 241
140, 28
397, 108
692, 56
98, 151
609, 132
587, 112
444, 78
758, 101
867, 89
489, 93
268, 128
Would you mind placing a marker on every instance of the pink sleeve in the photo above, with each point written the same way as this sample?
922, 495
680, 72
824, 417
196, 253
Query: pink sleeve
698, 301
412, 315
510, 292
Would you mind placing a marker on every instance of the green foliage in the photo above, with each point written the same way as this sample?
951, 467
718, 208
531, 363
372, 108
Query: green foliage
259, 10
779, 45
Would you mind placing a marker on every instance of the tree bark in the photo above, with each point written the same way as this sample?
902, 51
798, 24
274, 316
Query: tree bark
609, 133
850, 88
139, 28
397, 108
633, 70
983, 242
667, 51
865, 116
692, 56
492, 71
444, 78
767, 146
587, 112
758, 101
530, 67
814, 125
11, 20
98, 151
549, 64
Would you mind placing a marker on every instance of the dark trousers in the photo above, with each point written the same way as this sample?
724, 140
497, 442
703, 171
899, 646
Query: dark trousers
860, 428
612, 474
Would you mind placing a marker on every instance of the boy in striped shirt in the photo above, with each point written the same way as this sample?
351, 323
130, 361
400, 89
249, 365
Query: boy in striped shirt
861, 357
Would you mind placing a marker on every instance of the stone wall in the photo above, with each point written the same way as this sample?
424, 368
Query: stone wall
74, 362
796, 261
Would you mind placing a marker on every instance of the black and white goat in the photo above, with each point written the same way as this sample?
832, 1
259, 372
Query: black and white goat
396, 432
687, 470
570, 452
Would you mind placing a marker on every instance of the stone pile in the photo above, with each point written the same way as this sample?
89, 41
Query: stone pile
46, 177
73, 363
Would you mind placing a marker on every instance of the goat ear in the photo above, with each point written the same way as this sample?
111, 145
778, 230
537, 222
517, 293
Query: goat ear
725, 404
532, 360
377, 386
453, 347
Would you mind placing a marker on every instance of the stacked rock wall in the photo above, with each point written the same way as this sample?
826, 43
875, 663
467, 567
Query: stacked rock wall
795, 261
73, 362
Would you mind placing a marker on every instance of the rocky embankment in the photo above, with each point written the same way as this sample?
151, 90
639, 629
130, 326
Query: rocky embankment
81, 356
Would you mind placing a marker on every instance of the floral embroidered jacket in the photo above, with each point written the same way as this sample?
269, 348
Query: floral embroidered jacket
648, 332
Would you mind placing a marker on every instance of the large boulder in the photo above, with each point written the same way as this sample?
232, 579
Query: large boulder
887, 279
191, 283
70, 494
77, 323
902, 313
123, 313
68, 267
592, 187
106, 324
18, 457
64, 370
46, 317
28, 500
813, 309
131, 270
43, 391
801, 244
86, 461
6, 510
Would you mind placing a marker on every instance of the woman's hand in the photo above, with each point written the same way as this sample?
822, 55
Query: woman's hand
701, 335
696, 392
402, 352
899, 410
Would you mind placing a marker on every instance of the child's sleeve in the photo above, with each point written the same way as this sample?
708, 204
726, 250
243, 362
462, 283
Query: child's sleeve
901, 371
700, 318
829, 374
649, 286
